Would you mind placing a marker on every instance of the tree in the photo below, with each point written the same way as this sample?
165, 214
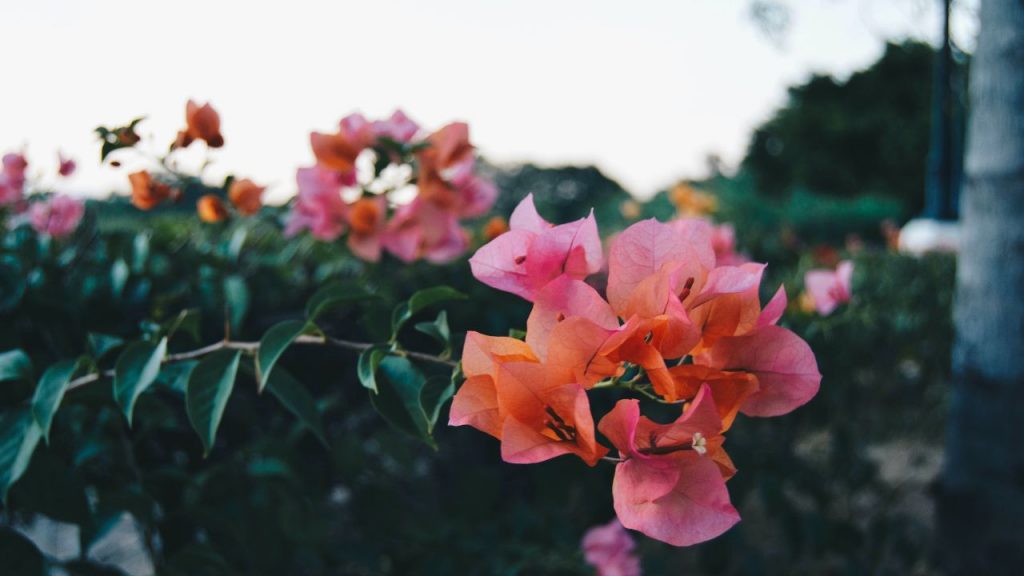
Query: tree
981, 497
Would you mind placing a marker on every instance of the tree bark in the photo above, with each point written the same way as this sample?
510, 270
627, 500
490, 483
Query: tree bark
981, 491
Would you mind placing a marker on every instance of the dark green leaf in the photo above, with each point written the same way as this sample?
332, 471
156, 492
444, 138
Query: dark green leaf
436, 392
187, 321
333, 297
19, 436
140, 252
15, 365
236, 298
209, 388
118, 278
12, 282
18, 555
137, 369
298, 401
419, 301
273, 344
175, 376
100, 344
438, 330
366, 367
50, 391
399, 397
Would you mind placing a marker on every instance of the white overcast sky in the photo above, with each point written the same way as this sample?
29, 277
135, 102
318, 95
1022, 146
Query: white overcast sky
643, 88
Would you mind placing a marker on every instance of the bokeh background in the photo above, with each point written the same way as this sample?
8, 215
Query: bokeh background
810, 125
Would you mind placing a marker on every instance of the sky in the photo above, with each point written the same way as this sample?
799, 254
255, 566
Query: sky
644, 89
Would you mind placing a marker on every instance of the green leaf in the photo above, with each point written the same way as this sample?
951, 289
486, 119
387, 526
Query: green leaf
294, 396
19, 436
273, 344
366, 367
399, 398
20, 556
175, 376
187, 321
15, 365
140, 252
135, 371
100, 344
118, 278
333, 297
437, 391
12, 282
50, 391
236, 298
438, 330
208, 391
419, 301
234, 247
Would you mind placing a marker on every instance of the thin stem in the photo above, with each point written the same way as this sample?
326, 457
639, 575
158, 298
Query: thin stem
252, 347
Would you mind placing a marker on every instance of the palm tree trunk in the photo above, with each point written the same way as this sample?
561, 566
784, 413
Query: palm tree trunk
981, 493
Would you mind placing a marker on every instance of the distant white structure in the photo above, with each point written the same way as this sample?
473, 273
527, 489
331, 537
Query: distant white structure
923, 235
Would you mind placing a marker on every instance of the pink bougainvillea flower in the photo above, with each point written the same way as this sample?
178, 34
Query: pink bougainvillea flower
787, 373
201, 123
420, 229
729, 389
533, 252
670, 485
609, 549
57, 217
561, 298
829, 288
319, 207
476, 402
398, 127
12, 179
476, 196
723, 242
445, 165
66, 166
367, 218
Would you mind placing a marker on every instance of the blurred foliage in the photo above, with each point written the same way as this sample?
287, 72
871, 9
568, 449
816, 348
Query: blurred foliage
271, 499
867, 135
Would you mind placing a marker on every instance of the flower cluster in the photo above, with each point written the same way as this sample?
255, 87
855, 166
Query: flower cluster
672, 324
56, 216
364, 170
202, 123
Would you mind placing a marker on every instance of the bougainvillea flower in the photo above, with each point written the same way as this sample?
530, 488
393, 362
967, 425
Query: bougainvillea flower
446, 164
494, 227
723, 242
66, 166
692, 202
774, 309
829, 288
574, 352
729, 389
148, 192
545, 416
14, 166
339, 151
57, 217
246, 195
786, 371
533, 252
367, 218
609, 549
211, 209
422, 230
476, 402
561, 298
398, 127
476, 196
670, 485
201, 123
319, 207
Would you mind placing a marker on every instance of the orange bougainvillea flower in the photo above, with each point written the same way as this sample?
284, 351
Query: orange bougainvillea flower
534, 408
201, 123
692, 202
495, 227
729, 389
148, 192
367, 218
246, 196
476, 403
446, 165
211, 209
